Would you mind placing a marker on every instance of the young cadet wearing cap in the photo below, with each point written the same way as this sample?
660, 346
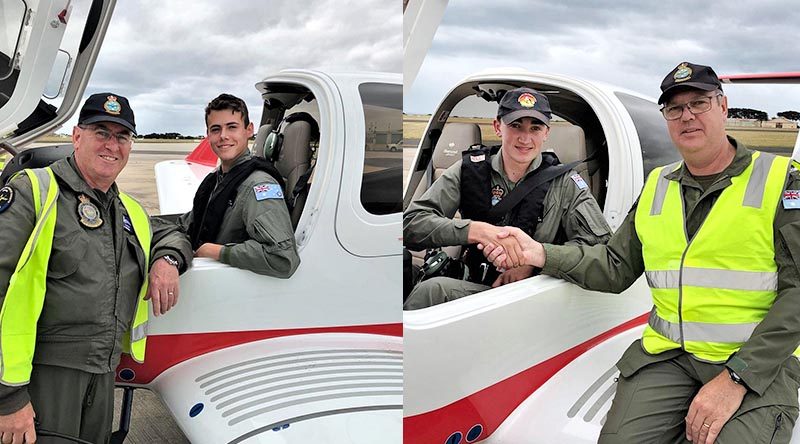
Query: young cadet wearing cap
239, 216
73, 281
481, 180
717, 359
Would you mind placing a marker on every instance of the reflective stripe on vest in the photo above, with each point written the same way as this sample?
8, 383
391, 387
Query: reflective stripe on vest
137, 338
27, 287
710, 292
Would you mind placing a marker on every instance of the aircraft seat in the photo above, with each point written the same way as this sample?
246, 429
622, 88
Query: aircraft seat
568, 142
456, 137
294, 161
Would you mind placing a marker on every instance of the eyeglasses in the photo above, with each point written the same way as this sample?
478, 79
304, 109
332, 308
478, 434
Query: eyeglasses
104, 135
699, 105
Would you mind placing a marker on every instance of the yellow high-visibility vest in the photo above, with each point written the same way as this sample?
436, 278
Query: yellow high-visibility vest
710, 292
27, 287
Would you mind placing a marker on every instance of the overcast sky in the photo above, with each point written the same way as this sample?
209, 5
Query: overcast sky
630, 43
170, 58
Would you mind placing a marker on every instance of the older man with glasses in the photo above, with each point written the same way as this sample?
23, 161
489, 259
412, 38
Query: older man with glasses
74, 264
718, 237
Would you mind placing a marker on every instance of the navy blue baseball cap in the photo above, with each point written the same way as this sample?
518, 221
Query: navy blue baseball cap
689, 75
524, 102
107, 107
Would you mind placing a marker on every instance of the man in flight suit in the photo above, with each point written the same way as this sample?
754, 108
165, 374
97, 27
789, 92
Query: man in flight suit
718, 237
239, 216
558, 210
73, 281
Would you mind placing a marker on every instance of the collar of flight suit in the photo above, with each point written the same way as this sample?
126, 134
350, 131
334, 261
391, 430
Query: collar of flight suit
244, 157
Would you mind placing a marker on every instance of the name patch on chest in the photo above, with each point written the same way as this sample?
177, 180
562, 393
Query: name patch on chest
268, 191
791, 199
478, 158
579, 181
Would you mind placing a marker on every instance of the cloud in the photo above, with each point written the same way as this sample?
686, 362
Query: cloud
171, 58
627, 43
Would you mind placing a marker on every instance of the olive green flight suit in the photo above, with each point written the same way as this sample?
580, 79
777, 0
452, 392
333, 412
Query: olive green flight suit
654, 391
429, 222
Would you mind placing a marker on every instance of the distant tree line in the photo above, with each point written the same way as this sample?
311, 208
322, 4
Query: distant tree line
747, 113
789, 115
168, 136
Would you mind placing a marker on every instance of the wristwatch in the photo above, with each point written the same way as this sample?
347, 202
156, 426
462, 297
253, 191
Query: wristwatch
735, 378
170, 260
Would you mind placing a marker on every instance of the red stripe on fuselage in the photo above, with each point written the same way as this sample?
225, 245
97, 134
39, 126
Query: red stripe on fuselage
492, 405
164, 351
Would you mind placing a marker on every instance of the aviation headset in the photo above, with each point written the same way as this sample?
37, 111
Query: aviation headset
274, 142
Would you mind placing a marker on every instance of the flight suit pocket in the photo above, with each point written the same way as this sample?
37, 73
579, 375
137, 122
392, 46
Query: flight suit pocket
67, 254
268, 227
589, 221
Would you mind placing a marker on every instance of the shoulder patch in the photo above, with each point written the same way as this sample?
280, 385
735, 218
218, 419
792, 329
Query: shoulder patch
791, 200
268, 191
6, 198
579, 182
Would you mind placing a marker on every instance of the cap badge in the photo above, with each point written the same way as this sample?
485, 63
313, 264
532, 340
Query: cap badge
89, 213
112, 106
527, 100
682, 73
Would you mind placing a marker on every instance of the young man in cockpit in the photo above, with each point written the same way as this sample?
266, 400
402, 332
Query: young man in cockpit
239, 215
560, 208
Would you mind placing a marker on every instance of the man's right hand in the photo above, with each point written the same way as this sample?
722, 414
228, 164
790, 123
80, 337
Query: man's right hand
18, 427
483, 234
532, 252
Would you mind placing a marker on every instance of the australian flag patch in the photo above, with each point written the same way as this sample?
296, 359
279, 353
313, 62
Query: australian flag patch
791, 199
268, 191
578, 179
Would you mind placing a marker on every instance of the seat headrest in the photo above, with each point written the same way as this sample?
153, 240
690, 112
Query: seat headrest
456, 137
567, 141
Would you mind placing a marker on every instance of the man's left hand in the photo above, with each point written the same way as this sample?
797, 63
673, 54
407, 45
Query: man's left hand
163, 288
513, 275
209, 250
712, 407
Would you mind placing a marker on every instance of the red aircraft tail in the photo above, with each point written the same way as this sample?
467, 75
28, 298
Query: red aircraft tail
202, 154
774, 77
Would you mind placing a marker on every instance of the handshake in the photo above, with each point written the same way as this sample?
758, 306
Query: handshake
507, 247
